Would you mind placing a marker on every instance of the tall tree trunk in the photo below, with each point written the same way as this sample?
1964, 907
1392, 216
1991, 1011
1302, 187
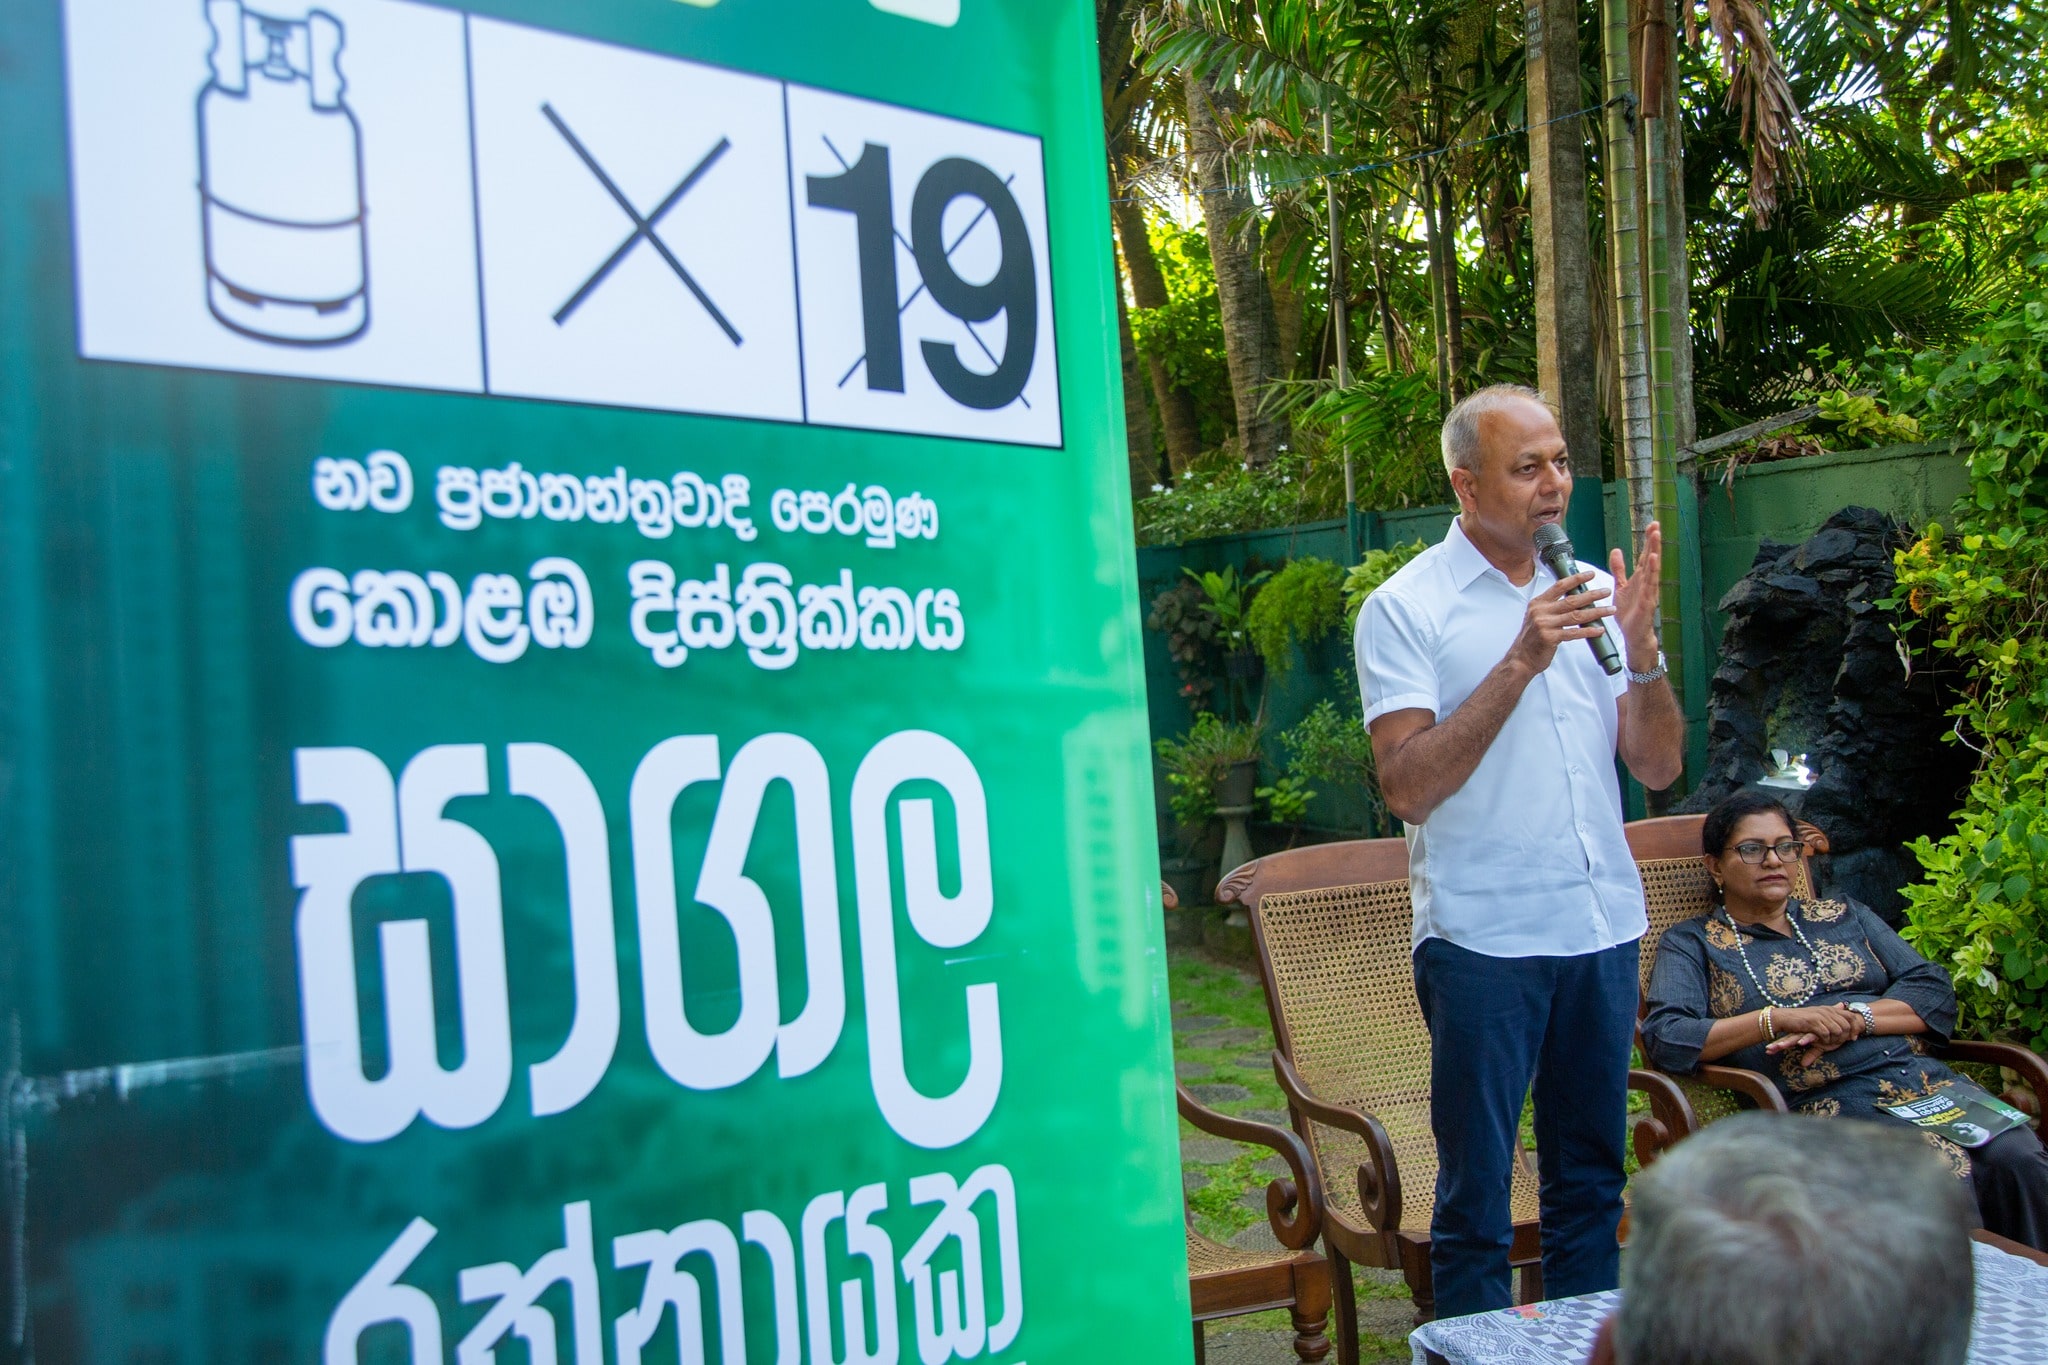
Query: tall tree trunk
1144, 460
1454, 303
1178, 420
1438, 320
1624, 253
1681, 262
1250, 332
1392, 352
1566, 360
1290, 305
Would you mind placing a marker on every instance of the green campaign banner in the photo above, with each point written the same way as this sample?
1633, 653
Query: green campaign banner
573, 773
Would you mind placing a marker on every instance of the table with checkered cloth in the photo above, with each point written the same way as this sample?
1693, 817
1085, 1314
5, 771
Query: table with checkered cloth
2010, 1326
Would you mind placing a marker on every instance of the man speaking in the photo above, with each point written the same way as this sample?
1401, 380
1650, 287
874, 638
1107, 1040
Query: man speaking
1495, 727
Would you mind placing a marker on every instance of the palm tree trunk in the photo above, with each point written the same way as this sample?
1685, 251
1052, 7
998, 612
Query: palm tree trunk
1625, 259
1138, 436
1178, 420
1250, 333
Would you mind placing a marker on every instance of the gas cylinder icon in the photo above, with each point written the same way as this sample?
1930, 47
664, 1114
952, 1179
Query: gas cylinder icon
281, 180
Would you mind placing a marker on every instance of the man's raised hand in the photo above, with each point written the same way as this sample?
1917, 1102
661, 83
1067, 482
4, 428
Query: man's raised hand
1635, 598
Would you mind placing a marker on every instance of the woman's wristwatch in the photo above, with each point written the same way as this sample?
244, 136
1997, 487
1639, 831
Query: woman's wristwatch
1869, 1017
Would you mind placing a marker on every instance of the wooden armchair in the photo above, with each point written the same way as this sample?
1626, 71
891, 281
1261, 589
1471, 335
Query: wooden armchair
1332, 923
1224, 1281
1676, 887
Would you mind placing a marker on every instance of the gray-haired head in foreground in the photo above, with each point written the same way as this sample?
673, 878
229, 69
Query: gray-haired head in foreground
1777, 1239
1461, 423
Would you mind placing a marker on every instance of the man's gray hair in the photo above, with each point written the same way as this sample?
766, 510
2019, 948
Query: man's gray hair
1778, 1239
1461, 424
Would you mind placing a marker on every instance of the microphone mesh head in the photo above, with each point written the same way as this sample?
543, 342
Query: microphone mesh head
1551, 540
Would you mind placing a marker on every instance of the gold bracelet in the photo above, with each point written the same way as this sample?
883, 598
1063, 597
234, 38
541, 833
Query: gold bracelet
1763, 1019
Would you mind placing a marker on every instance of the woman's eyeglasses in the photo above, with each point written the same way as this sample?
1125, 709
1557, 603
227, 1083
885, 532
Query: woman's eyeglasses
1752, 851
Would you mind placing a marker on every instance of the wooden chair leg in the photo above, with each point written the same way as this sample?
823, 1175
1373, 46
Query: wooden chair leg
1311, 1311
1201, 1346
1532, 1283
1421, 1285
1344, 1296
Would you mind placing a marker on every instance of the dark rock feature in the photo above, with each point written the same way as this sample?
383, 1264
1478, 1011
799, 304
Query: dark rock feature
1810, 664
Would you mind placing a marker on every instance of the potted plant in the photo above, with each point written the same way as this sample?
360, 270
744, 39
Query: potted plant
1229, 598
1303, 603
1215, 764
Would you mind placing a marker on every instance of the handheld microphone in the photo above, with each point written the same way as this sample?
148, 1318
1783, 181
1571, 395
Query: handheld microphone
1554, 548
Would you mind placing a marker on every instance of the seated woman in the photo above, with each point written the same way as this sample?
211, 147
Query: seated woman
1826, 1000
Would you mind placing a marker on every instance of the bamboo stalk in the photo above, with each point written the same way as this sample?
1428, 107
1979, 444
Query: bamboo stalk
1664, 398
1625, 257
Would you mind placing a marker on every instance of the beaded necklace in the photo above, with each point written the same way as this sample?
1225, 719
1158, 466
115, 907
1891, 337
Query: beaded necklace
1813, 960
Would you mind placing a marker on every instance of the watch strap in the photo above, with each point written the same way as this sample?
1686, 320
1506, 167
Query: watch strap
1645, 678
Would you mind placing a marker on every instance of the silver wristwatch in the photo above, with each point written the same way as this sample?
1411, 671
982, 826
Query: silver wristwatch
1652, 676
1869, 1017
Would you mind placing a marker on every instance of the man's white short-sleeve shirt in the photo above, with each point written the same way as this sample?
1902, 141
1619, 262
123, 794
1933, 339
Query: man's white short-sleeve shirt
1528, 857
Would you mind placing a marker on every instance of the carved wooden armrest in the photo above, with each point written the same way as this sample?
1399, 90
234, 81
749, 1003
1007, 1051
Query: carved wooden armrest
1294, 1207
1671, 1115
2027, 1063
1754, 1084
1379, 1182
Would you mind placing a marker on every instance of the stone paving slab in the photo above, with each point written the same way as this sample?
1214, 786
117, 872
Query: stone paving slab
1221, 1092
1210, 1151
1192, 1071
1216, 1037
1276, 1117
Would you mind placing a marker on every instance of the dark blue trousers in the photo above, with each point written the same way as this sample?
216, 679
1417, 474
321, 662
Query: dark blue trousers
1496, 1024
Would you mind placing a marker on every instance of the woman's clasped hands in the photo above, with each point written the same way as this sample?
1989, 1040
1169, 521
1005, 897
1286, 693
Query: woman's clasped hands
1815, 1029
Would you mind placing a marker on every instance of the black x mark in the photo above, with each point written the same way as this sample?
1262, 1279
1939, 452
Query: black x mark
643, 228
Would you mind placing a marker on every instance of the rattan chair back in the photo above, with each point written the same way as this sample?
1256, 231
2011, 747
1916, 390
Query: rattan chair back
1676, 886
1340, 983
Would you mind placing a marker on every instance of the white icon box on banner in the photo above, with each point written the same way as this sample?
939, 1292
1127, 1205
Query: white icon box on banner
635, 227
274, 188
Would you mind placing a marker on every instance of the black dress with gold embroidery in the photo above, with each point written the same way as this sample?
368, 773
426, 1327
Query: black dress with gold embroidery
1700, 977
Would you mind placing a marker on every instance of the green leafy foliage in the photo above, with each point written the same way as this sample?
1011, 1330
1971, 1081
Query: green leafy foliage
1388, 420
1300, 605
1982, 589
1229, 599
1330, 745
1374, 569
1218, 495
1287, 799
1197, 762
1186, 335
1859, 420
